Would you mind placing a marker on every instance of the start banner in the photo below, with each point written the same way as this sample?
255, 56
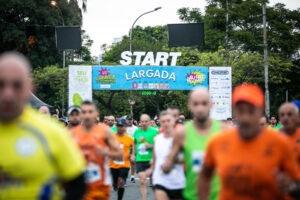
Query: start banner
149, 77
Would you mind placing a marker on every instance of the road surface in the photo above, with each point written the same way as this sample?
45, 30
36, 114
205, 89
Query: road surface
132, 191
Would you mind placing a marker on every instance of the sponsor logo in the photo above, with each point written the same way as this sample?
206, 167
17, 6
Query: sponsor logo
105, 77
195, 77
219, 72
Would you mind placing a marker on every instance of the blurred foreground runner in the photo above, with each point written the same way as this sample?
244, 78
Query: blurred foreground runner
98, 145
170, 185
35, 152
192, 139
250, 159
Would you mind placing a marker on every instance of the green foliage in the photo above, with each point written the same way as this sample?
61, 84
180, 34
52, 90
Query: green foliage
29, 27
49, 83
245, 26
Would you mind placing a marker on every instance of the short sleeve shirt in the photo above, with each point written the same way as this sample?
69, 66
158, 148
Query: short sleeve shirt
125, 143
140, 137
246, 168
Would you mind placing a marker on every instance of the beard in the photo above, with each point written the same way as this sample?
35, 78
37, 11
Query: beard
74, 123
202, 119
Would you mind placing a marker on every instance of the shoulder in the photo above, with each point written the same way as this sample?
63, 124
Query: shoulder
44, 124
229, 134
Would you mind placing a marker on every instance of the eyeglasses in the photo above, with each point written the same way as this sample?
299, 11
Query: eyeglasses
110, 120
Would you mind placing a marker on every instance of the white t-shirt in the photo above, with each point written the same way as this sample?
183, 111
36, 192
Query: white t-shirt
131, 130
175, 179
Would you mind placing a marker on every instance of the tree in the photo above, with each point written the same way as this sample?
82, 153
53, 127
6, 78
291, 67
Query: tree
245, 26
49, 82
29, 27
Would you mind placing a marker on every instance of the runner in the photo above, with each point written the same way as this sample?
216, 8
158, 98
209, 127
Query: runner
288, 114
111, 123
35, 151
192, 139
95, 141
175, 112
249, 159
73, 117
130, 131
263, 122
45, 110
142, 151
120, 169
167, 186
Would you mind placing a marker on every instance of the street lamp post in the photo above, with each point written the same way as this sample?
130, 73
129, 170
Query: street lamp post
155, 9
53, 3
130, 47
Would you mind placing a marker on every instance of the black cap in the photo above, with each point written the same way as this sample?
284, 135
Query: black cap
121, 122
129, 117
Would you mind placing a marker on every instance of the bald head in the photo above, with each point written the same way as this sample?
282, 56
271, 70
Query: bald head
288, 115
15, 85
200, 104
145, 121
45, 110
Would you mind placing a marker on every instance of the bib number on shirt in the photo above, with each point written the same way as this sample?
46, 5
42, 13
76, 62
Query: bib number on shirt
120, 162
197, 159
143, 150
92, 173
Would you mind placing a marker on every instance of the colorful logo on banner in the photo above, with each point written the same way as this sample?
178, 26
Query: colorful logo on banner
196, 77
105, 77
149, 77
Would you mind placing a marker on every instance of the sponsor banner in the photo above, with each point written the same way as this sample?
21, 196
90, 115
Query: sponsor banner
220, 89
80, 84
148, 78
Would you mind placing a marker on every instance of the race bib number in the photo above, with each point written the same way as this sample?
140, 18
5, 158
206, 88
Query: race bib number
120, 162
197, 158
92, 173
143, 150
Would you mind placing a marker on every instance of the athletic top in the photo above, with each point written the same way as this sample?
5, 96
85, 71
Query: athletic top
114, 129
294, 141
130, 130
140, 137
97, 170
246, 168
175, 179
36, 151
194, 150
126, 143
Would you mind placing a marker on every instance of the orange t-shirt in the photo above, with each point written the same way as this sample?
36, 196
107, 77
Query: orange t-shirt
294, 141
126, 143
246, 168
97, 170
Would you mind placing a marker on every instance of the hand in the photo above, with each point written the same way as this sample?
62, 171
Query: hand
149, 172
147, 145
283, 182
166, 167
132, 158
101, 151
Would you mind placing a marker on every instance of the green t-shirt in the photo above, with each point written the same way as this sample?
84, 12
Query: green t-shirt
194, 151
140, 137
114, 129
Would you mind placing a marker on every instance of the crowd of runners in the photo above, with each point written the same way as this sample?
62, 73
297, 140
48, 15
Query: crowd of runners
247, 157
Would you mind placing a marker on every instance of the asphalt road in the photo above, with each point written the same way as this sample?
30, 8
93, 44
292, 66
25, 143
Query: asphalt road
132, 191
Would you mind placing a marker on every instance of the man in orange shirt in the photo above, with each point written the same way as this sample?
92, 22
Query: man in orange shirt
97, 144
248, 159
120, 169
288, 114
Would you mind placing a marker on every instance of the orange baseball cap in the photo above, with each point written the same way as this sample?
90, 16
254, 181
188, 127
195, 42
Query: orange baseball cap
249, 93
